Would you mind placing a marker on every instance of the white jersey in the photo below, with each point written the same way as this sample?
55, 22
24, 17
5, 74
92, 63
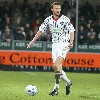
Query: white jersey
59, 29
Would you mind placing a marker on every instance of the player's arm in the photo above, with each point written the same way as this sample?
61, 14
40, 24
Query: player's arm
42, 29
71, 39
39, 33
71, 32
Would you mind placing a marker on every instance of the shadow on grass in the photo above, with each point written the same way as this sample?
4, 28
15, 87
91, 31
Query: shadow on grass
89, 98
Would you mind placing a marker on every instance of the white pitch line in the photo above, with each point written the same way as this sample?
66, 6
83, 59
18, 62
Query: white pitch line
30, 73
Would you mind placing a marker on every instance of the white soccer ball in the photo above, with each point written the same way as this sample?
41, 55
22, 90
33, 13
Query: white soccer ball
31, 90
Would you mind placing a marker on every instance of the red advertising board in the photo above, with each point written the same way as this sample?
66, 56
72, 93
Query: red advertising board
88, 60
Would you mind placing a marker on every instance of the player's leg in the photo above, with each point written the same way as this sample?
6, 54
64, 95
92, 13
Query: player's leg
57, 69
59, 51
65, 78
65, 51
68, 82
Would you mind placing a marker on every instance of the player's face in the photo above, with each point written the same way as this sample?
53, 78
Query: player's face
56, 10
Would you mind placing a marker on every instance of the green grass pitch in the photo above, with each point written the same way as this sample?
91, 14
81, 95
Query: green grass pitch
86, 86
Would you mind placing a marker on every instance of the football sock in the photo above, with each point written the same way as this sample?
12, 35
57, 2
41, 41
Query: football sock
65, 78
57, 79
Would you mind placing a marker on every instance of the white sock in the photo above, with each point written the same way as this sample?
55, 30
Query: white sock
64, 77
56, 86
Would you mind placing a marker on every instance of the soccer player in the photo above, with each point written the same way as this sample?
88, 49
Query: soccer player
62, 38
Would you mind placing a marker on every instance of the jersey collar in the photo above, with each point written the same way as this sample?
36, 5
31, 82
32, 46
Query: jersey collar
58, 18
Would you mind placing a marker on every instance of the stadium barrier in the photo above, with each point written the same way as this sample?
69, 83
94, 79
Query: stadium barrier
46, 46
30, 58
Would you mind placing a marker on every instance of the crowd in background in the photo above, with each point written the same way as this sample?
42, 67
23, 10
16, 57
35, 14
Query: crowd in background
21, 21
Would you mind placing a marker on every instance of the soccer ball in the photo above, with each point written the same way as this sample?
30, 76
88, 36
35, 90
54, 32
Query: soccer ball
31, 90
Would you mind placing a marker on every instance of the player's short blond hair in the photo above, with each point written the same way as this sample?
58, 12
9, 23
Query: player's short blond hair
55, 3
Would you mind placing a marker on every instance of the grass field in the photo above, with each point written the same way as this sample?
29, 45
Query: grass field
86, 86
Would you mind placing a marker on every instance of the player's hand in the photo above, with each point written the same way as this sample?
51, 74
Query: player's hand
70, 45
30, 44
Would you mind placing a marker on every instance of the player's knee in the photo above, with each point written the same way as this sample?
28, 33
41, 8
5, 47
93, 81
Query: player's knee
56, 67
63, 73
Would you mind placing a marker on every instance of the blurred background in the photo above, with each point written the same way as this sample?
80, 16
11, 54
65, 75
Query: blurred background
20, 20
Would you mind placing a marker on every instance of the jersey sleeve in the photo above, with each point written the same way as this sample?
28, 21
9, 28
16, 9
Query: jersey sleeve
69, 26
44, 26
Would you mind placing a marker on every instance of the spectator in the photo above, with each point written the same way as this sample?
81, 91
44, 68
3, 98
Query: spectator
6, 27
73, 10
98, 8
47, 12
5, 3
26, 18
91, 32
25, 5
23, 32
89, 15
18, 35
5, 19
16, 13
82, 21
16, 24
80, 13
7, 9
90, 21
36, 24
7, 36
87, 28
14, 4
98, 37
6, 22
97, 16
81, 39
38, 16
46, 4
91, 39
27, 28
86, 7
26, 10
65, 7
30, 36
1, 24
37, 7
97, 28
82, 32
45, 9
